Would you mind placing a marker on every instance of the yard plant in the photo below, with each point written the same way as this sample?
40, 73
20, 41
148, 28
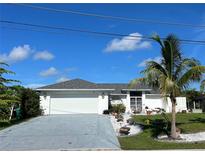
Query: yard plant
16, 98
146, 140
8, 98
118, 108
172, 75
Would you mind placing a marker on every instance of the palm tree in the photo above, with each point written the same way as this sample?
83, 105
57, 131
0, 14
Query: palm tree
172, 75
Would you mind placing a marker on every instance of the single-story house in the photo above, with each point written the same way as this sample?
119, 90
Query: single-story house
81, 96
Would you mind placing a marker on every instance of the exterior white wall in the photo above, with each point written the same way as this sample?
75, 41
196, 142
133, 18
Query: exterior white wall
153, 101
102, 103
169, 105
45, 103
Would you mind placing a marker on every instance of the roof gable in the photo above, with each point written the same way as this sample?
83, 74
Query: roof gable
71, 84
79, 84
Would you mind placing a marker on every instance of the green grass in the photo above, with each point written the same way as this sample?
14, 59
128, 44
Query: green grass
188, 123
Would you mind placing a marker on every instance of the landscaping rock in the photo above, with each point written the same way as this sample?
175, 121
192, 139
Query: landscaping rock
124, 130
134, 129
195, 137
119, 119
130, 122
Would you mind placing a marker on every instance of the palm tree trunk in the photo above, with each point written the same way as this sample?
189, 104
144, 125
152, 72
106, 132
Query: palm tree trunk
173, 122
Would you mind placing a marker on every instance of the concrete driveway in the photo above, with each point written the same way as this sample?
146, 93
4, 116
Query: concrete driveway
61, 132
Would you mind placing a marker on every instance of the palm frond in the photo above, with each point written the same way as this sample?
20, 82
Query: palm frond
3, 63
185, 65
202, 86
174, 43
193, 74
157, 39
135, 82
157, 66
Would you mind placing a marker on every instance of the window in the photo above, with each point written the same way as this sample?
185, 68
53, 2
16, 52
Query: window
136, 104
135, 93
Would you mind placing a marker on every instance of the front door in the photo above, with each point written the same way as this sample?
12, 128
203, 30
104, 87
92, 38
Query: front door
136, 104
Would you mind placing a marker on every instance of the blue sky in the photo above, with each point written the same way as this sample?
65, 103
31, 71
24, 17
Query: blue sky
41, 58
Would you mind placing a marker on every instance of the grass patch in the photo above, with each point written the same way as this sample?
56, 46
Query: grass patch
145, 141
188, 123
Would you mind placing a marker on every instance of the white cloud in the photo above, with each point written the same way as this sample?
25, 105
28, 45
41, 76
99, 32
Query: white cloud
127, 43
62, 79
16, 54
34, 85
49, 72
44, 55
143, 63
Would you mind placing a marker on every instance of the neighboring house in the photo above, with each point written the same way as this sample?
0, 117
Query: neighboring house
80, 96
198, 104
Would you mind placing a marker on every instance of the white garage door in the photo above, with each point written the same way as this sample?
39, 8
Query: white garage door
73, 104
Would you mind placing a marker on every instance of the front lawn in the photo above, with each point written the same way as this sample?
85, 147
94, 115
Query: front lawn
188, 123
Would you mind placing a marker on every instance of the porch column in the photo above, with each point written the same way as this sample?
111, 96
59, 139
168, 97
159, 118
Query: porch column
128, 103
143, 101
194, 105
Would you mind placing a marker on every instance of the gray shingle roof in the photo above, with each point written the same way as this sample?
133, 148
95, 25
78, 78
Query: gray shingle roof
72, 84
83, 84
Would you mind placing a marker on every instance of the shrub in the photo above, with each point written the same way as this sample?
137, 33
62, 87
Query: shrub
4, 113
106, 112
119, 108
4, 123
30, 103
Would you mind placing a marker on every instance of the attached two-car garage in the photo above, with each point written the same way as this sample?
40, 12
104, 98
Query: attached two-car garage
70, 102
75, 96
73, 103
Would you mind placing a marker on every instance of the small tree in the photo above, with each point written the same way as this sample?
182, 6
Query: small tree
7, 97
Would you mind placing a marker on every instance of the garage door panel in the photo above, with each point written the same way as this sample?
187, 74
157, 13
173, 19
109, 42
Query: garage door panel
63, 104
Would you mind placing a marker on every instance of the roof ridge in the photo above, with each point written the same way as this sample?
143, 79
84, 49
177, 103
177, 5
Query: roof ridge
112, 83
82, 80
69, 81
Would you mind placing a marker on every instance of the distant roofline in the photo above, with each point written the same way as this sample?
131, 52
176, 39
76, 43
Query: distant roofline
74, 89
136, 89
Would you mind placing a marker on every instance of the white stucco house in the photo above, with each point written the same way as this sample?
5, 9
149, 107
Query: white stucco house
80, 96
